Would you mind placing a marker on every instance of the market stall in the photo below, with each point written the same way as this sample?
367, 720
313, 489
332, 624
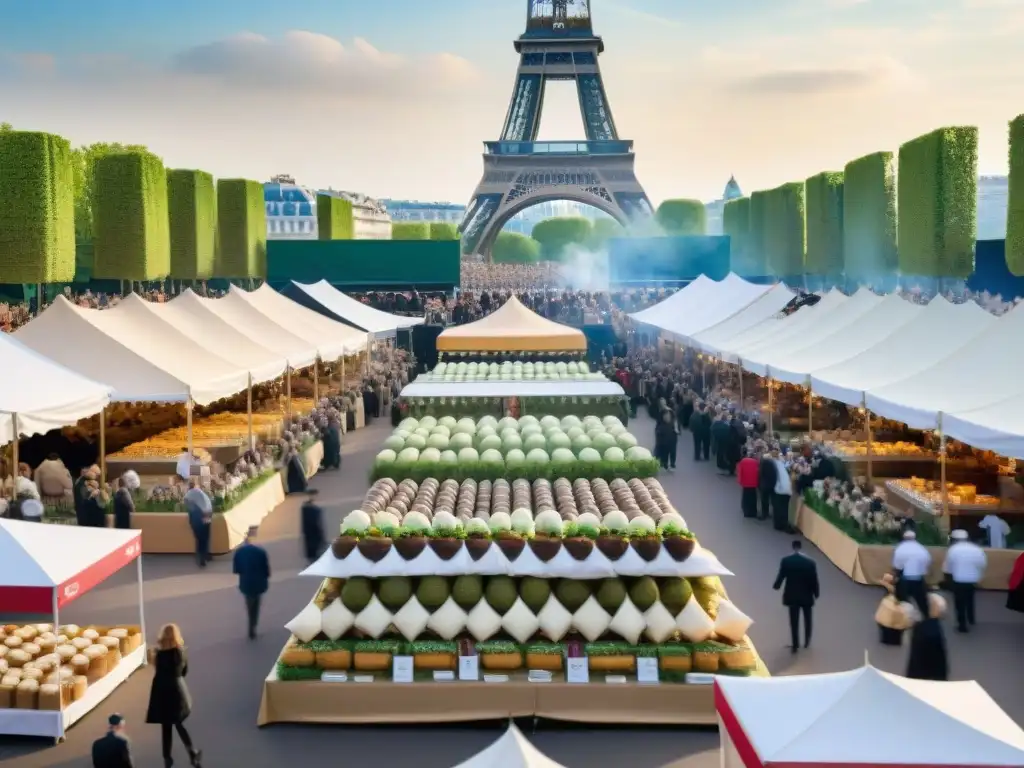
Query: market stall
53, 674
324, 298
513, 327
764, 308
512, 750
806, 720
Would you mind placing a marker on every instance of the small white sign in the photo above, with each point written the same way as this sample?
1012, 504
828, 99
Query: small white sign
495, 678
443, 676
647, 670
577, 670
401, 669
334, 677
615, 679
362, 678
469, 667
539, 676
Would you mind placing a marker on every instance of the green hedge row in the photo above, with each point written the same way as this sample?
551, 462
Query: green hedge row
1015, 204
757, 251
682, 217
785, 234
192, 214
869, 216
241, 229
556, 234
410, 230
130, 217
736, 224
443, 230
824, 224
603, 230
37, 218
515, 248
938, 200
335, 219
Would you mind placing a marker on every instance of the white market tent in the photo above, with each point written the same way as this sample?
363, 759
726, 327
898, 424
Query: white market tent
915, 346
40, 394
516, 388
513, 327
762, 309
775, 330
347, 309
759, 360
693, 291
998, 427
331, 338
42, 569
851, 339
141, 358
847, 719
263, 330
512, 750
958, 382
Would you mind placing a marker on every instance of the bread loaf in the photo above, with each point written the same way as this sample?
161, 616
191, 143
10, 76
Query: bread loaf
79, 685
80, 664
32, 649
17, 658
27, 695
123, 639
81, 643
97, 662
32, 673
27, 633
7, 688
49, 696
67, 692
92, 634
13, 641
70, 631
46, 643
66, 652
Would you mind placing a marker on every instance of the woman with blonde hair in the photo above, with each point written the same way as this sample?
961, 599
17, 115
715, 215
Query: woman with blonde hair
169, 701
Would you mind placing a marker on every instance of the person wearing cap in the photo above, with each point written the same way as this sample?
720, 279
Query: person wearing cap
113, 750
312, 526
911, 561
252, 566
965, 565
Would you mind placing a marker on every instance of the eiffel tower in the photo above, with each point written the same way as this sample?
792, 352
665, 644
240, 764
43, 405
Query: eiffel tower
558, 44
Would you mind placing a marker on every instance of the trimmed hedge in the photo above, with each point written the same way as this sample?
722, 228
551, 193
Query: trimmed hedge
757, 252
515, 248
241, 229
869, 217
192, 210
1015, 204
443, 230
410, 230
938, 202
682, 217
736, 224
37, 219
335, 219
131, 223
785, 230
556, 234
825, 223
603, 230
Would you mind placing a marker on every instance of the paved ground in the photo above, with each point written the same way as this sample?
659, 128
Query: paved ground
227, 671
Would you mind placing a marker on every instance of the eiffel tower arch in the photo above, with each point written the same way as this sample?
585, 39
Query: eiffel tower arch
558, 44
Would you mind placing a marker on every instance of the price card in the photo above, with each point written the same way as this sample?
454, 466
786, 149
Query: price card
647, 670
443, 676
401, 669
615, 679
469, 667
577, 670
495, 678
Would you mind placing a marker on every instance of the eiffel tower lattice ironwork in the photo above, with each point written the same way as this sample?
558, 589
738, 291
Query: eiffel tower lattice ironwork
558, 44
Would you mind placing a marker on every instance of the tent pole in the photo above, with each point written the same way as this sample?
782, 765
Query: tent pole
771, 408
288, 393
56, 630
867, 424
343, 375
942, 476
810, 407
188, 425
103, 447
142, 607
248, 413
316, 382
740, 369
14, 456
368, 343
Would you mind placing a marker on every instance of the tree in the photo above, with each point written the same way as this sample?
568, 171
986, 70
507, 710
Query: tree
84, 159
443, 230
556, 234
335, 219
736, 224
515, 248
869, 217
785, 230
757, 251
6, 127
241, 229
1015, 204
192, 213
825, 224
602, 231
682, 217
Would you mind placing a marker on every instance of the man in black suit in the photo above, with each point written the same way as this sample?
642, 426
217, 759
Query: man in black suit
700, 426
768, 474
113, 750
799, 574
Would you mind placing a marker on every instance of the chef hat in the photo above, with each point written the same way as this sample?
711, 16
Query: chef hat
909, 535
959, 534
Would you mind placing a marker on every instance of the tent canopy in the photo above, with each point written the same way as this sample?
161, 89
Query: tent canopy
513, 389
328, 299
513, 750
37, 559
852, 338
913, 347
665, 309
127, 347
958, 382
806, 720
331, 339
512, 328
45, 395
998, 427
762, 309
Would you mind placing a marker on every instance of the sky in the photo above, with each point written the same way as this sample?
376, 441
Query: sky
394, 98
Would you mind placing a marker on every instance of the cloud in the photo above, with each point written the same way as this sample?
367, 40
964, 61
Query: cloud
302, 61
31, 63
805, 83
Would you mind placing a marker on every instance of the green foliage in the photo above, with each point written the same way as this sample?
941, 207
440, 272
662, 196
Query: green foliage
515, 248
785, 231
682, 217
410, 230
84, 160
1015, 204
736, 224
444, 230
604, 230
37, 219
334, 218
825, 223
192, 208
938, 201
130, 217
757, 253
869, 216
241, 229
556, 234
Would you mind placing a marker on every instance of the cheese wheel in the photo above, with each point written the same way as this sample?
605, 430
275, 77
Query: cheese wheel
97, 662
123, 639
65, 652
7, 690
79, 685
26, 696
80, 664
49, 696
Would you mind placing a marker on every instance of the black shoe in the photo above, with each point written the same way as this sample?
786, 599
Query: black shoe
252, 634
963, 630
196, 758
807, 645
794, 648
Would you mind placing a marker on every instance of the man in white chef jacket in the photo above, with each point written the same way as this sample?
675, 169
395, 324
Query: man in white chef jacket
965, 566
911, 561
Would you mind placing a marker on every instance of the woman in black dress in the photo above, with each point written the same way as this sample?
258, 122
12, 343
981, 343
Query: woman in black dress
928, 659
169, 700
124, 505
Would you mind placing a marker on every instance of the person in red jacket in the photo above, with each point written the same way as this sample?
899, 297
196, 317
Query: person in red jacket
748, 475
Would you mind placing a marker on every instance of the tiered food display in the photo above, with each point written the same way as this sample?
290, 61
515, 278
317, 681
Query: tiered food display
48, 668
511, 371
574, 553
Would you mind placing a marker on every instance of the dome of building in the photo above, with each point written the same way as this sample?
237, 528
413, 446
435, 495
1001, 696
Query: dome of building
732, 190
